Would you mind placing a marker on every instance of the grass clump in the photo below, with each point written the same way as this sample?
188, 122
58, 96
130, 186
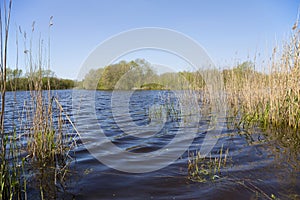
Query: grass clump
12, 183
203, 169
48, 153
166, 108
48, 145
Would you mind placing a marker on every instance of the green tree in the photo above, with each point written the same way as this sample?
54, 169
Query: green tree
91, 79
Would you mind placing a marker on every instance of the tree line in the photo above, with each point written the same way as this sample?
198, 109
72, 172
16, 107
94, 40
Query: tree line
139, 74
16, 80
127, 75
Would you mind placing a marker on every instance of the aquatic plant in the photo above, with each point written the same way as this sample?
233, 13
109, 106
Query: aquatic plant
45, 146
203, 169
166, 108
269, 99
12, 186
48, 146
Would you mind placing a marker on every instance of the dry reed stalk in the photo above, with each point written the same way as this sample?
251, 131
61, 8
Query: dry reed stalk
271, 99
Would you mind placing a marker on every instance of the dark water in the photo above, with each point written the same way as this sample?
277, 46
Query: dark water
257, 168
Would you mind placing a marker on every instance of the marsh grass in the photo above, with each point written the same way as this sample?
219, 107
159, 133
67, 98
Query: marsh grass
48, 146
13, 185
203, 169
41, 161
269, 100
48, 154
165, 109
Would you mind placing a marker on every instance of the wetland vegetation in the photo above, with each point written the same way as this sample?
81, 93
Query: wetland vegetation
257, 155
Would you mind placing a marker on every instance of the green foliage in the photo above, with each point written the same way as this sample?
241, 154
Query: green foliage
91, 79
15, 80
238, 76
13, 73
152, 86
194, 79
170, 80
139, 74
123, 76
112, 74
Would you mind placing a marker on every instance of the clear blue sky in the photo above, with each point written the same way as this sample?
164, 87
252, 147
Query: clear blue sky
229, 30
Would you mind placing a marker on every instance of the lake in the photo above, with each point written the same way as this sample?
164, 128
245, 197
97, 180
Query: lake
257, 168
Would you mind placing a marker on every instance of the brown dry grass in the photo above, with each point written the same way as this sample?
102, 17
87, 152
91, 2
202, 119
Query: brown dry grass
273, 98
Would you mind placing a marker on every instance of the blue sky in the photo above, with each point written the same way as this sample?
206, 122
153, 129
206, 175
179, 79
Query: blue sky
228, 30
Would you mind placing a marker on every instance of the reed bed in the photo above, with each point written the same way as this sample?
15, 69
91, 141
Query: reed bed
11, 184
272, 98
268, 99
41, 160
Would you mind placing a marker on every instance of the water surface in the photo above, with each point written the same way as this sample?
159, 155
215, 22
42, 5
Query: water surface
257, 168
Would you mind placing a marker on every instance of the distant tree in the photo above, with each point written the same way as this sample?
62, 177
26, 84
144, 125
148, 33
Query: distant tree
40, 73
237, 76
92, 78
13, 73
244, 67
123, 75
16, 80
137, 74
193, 80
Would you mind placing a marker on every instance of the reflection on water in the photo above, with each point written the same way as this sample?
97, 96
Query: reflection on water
261, 167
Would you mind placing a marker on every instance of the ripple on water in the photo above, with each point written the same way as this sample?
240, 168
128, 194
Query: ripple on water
253, 167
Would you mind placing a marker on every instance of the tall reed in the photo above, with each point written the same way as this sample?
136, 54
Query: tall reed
47, 146
3, 65
269, 99
11, 184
